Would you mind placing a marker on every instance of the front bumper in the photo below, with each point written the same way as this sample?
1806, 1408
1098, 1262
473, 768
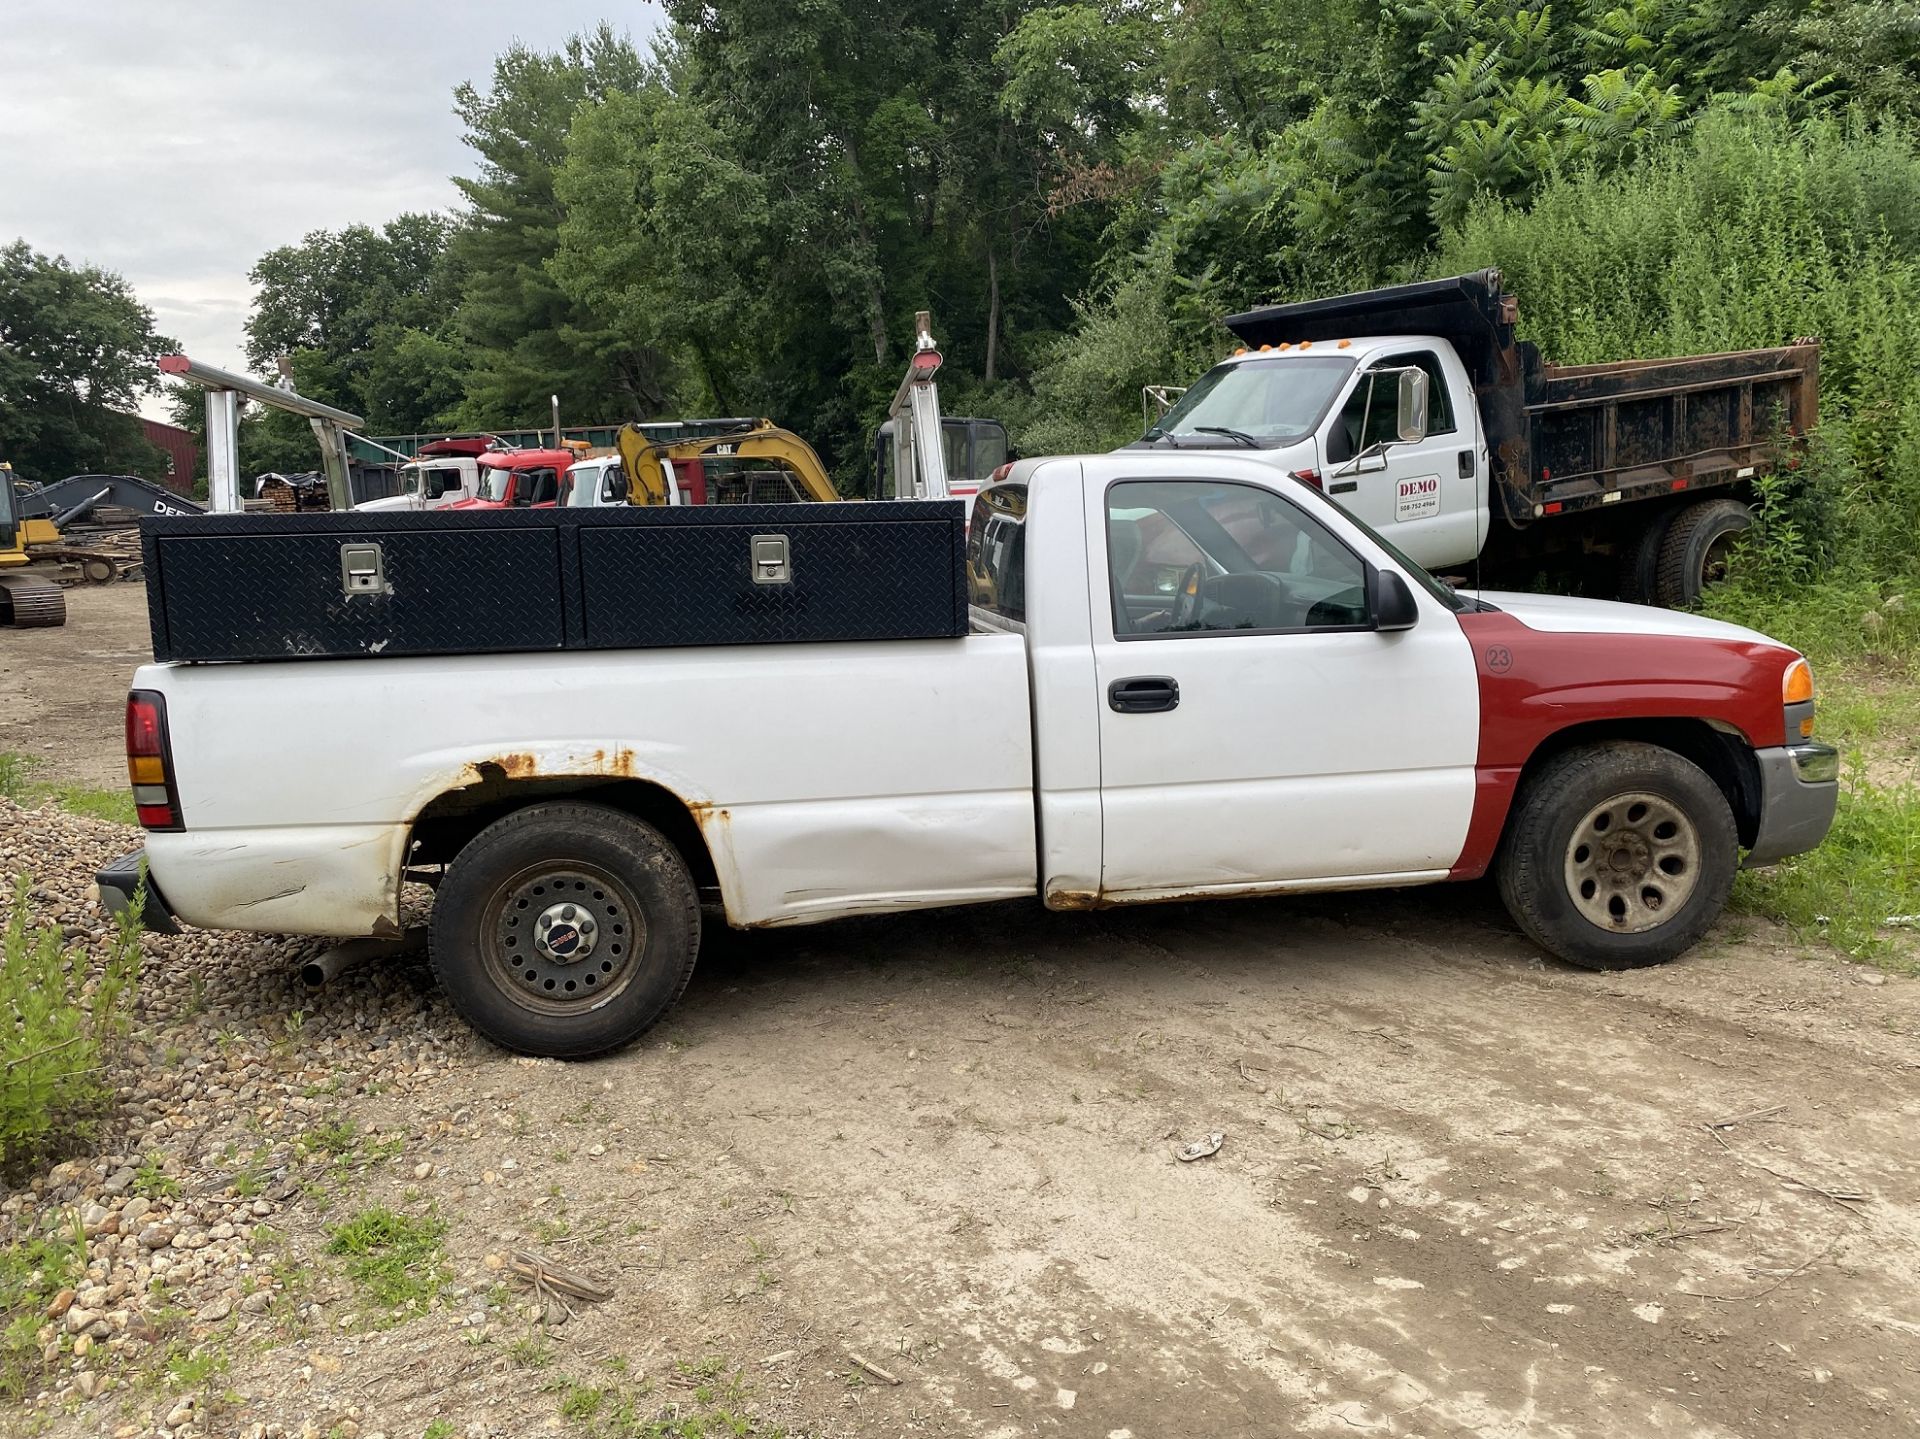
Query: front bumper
119, 882
1799, 791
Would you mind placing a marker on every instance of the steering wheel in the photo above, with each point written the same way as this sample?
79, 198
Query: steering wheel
1187, 599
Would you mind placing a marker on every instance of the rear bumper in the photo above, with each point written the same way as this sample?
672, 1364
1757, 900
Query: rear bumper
119, 882
1799, 791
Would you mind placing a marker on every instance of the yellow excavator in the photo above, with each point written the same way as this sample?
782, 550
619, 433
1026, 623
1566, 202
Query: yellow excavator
26, 601
762, 464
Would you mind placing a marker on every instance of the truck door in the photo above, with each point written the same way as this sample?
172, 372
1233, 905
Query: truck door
1256, 732
1430, 498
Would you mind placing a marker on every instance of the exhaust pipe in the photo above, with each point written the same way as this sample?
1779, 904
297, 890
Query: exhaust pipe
330, 964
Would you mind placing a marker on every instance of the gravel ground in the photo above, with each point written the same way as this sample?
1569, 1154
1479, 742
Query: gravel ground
225, 1084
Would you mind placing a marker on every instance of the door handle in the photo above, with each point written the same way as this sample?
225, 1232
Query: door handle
1466, 464
1143, 694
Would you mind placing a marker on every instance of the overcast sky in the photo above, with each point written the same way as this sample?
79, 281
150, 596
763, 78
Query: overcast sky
176, 144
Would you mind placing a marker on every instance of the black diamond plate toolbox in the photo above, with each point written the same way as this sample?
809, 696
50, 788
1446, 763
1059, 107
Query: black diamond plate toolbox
256, 587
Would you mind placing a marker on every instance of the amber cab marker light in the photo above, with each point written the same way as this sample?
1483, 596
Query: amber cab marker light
1797, 685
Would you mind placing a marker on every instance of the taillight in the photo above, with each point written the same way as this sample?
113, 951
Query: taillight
1307, 477
149, 764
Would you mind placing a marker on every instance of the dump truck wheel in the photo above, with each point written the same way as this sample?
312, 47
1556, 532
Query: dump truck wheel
1640, 561
1618, 855
1694, 552
565, 929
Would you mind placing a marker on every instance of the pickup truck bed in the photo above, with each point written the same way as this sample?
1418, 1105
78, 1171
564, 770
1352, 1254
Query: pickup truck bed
1186, 677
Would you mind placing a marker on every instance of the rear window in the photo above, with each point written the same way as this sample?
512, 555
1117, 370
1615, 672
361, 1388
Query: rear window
997, 555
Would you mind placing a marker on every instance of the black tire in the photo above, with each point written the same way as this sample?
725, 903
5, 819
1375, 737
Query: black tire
565, 929
1559, 895
1693, 553
1640, 560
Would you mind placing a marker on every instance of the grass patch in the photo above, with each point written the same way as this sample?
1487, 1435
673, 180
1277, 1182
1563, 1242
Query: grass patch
396, 1260
57, 1014
108, 804
631, 1412
17, 784
1866, 874
1864, 641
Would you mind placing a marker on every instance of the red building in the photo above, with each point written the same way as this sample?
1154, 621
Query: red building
181, 451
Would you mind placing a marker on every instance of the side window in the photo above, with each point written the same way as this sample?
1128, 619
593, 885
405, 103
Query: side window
543, 487
997, 553
1203, 556
1372, 411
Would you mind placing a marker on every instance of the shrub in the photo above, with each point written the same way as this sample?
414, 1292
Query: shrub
58, 1016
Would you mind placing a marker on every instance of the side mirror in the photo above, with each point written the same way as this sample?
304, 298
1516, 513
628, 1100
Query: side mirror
1412, 420
1393, 604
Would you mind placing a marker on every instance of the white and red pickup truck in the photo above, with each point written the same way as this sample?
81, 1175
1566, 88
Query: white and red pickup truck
1187, 676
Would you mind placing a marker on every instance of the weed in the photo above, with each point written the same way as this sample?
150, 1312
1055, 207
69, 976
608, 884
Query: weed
336, 1138
396, 1260
153, 1181
57, 1014
530, 1351
581, 1402
13, 775
439, 1429
192, 1368
32, 1271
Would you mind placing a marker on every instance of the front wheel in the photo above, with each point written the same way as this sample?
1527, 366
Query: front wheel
565, 929
1618, 855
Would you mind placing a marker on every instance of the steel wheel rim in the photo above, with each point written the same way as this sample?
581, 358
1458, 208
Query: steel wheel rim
1633, 862
1713, 564
529, 958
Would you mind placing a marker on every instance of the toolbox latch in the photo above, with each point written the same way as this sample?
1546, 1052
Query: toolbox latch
363, 569
770, 563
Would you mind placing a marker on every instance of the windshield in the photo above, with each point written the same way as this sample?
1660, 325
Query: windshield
1271, 402
494, 484
582, 487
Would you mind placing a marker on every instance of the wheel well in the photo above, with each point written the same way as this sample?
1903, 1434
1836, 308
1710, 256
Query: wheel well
1726, 757
443, 828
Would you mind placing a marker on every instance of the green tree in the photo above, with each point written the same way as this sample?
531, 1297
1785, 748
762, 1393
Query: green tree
77, 353
525, 337
367, 317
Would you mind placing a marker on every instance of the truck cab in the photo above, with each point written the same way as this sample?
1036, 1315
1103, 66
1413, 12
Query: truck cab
518, 480
593, 483
1326, 415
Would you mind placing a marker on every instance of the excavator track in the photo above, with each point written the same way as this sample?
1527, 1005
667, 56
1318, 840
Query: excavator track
29, 602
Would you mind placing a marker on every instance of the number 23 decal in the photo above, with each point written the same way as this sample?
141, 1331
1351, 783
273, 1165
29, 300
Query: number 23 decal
1499, 659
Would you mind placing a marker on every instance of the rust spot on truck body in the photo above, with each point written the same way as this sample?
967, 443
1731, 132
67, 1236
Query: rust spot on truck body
1074, 900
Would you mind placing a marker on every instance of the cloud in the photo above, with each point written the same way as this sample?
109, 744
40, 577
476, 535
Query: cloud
176, 145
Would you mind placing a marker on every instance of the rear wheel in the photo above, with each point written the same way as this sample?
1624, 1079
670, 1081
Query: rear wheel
565, 929
1618, 855
1637, 580
1695, 550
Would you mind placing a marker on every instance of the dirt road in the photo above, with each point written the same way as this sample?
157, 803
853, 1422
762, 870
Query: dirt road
63, 692
1461, 1191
